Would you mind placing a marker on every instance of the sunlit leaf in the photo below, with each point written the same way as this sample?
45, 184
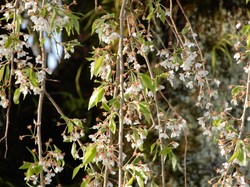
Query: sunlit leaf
25, 165
85, 182
97, 66
130, 182
89, 155
112, 125
96, 97
76, 170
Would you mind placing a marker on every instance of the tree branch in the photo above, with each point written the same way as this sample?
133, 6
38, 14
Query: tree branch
121, 87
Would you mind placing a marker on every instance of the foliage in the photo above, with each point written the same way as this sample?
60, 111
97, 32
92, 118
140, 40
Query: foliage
139, 130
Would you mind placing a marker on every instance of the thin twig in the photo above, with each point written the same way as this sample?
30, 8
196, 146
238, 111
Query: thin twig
7, 123
121, 87
158, 123
54, 103
246, 103
173, 24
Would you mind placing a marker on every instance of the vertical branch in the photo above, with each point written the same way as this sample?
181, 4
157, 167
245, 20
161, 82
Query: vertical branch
158, 123
40, 108
121, 87
246, 103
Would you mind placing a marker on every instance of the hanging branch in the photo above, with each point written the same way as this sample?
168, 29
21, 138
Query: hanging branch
40, 107
9, 97
120, 65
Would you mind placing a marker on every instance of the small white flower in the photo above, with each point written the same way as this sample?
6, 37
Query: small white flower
203, 73
188, 43
58, 169
163, 135
237, 56
238, 25
190, 85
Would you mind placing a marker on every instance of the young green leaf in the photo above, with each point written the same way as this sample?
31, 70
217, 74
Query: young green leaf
96, 67
112, 124
85, 182
73, 150
32, 78
76, 170
77, 122
144, 109
147, 82
25, 165
2, 73
16, 96
89, 155
96, 97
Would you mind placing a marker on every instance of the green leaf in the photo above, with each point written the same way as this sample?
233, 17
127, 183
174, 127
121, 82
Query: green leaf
186, 29
139, 175
174, 160
37, 168
32, 78
130, 182
69, 123
8, 42
89, 155
96, 97
144, 109
247, 1
237, 90
152, 147
140, 181
112, 124
147, 82
85, 182
77, 122
25, 165
239, 154
29, 172
73, 149
165, 151
248, 41
105, 106
213, 58
16, 96
76, 170
18, 23
96, 67
2, 73
162, 13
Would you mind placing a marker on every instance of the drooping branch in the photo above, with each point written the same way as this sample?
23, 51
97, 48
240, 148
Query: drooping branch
120, 65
